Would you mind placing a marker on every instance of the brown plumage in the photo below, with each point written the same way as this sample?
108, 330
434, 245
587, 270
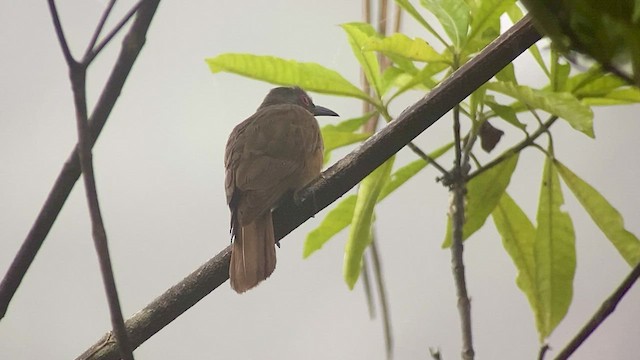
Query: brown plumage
275, 152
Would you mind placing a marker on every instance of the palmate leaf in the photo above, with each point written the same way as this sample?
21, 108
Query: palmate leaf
604, 215
555, 254
360, 234
310, 76
483, 193
340, 216
564, 105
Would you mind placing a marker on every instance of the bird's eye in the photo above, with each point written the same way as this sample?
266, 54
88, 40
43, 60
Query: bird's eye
305, 100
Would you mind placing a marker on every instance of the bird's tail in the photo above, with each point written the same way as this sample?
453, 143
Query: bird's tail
253, 257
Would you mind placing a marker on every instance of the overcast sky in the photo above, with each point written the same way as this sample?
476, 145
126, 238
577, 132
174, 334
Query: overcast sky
160, 180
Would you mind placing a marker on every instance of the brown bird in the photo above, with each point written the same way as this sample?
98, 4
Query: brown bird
272, 154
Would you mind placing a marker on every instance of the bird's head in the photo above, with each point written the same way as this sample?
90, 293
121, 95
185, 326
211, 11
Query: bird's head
296, 96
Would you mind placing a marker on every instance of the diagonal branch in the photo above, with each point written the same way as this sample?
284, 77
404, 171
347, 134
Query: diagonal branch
335, 182
96, 33
64, 45
78, 74
132, 44
607, 307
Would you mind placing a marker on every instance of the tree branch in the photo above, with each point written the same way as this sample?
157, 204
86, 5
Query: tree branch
96, 33
93, 52
456, 212
382, 294
78, 81
336, 181
523, 144
606, 309
132, 44
60, 34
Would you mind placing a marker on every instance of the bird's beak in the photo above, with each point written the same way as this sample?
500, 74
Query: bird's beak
323, 111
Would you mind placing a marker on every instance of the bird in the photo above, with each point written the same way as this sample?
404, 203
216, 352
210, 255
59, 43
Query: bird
269, 156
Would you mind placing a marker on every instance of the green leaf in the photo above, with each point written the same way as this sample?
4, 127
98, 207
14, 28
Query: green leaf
555, 254
406, 172
487, 13
360, 234
343, 134
564, 105
561, 76
340, 217
507, 74
593, 83
515, 14
603, 214
334, 139
504, 112
350, 124
518, 238
310, 76
424, 78
399, 44
390, 77
406, 6
483, 194
337, 219
615, 97
359, 34
453, 16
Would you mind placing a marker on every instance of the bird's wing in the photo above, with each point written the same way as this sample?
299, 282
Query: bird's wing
265, 155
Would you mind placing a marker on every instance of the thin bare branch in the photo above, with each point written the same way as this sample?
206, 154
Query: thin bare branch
382, 295
133, 43
366, 284
78, 82
523, 144
606, 309
334, 183
60, 33
457, 214
427, 158
96, 33
107, 39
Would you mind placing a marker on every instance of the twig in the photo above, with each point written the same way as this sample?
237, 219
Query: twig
428, 158
606, 309
77, 74
366, 284
382, 294
459, 190
91, 54
133, 43
60, 33
96, 33
523, 144
543, 351
78, 80
335, 182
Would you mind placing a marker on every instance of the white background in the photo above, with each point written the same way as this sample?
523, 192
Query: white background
160, 180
